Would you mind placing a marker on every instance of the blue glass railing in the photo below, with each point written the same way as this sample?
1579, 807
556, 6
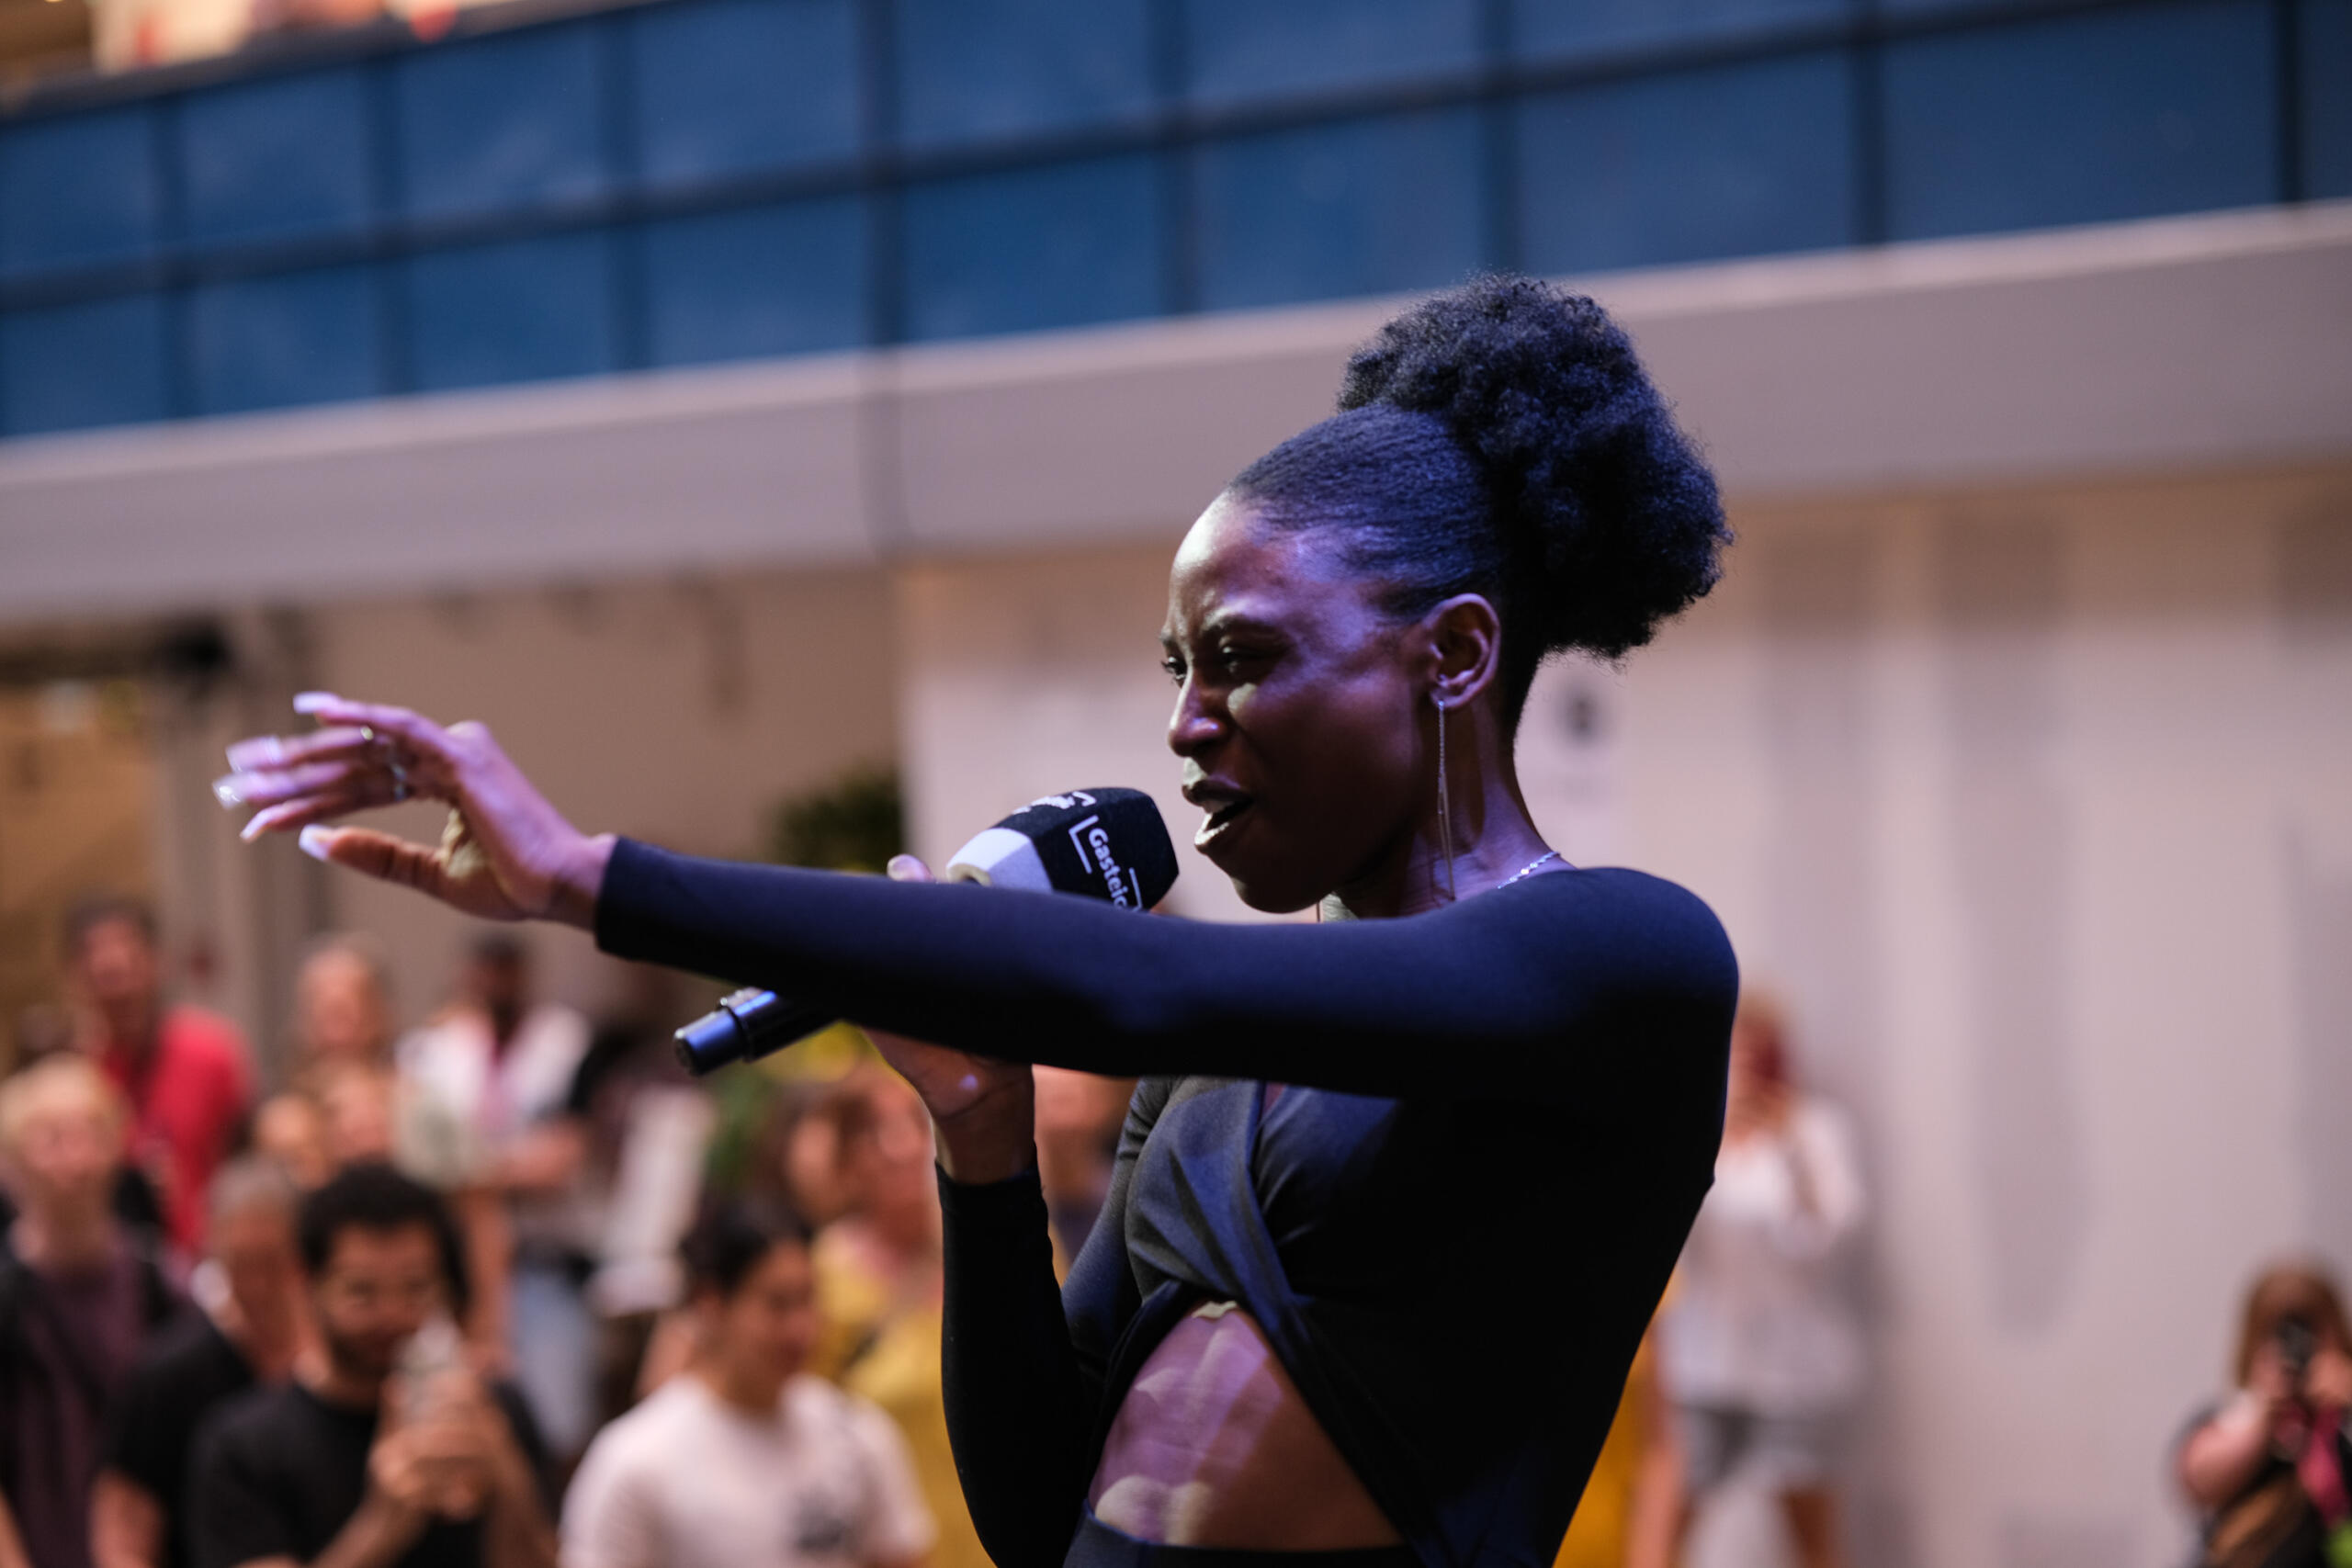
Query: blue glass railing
688, 181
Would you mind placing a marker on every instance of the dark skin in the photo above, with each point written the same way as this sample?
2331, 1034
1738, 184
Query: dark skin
1307, 721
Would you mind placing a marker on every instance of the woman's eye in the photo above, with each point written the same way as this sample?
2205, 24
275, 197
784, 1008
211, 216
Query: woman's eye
1175, 667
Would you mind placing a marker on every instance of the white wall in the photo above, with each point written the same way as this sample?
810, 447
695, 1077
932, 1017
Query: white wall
2037, 805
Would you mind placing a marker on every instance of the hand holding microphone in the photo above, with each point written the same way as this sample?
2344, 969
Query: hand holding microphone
1109, 844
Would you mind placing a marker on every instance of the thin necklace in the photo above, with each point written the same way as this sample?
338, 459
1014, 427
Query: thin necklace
1522, 871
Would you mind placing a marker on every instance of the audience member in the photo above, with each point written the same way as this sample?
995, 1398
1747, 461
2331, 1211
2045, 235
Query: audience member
504, 1066
78, 1297
1079, 1117
383, 1448
347, 1081
647, 1128
879, 1285
745, 1461
183, 1070
253, 1323
2270, 1471
343, 1035
290, 1130
1762, 1347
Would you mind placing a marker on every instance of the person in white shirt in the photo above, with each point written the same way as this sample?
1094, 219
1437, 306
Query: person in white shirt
744, 1460
503, 1064
1761, 1345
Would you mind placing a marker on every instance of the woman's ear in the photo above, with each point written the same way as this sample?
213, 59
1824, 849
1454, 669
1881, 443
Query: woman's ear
1464, 641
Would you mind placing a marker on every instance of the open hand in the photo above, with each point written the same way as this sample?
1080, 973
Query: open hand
505, 854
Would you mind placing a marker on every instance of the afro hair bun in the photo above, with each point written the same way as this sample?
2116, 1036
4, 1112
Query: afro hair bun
1609, 518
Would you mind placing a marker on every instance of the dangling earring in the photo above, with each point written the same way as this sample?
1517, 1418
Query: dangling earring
1445, 807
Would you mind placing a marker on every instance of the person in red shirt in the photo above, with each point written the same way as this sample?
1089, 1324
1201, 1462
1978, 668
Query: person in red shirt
185, 1072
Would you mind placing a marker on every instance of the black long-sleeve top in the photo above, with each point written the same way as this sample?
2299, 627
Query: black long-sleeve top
1452, 1227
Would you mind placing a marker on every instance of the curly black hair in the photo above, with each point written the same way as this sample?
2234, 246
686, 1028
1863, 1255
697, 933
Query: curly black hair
1501, 439
372, 1196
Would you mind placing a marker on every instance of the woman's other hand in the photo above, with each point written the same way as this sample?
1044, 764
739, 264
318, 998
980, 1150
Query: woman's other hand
982, 1111
506, 854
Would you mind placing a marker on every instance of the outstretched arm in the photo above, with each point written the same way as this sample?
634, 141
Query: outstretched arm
1566, 985
1558, 987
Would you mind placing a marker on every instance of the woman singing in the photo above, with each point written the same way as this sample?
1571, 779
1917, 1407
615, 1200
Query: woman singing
1400, 1189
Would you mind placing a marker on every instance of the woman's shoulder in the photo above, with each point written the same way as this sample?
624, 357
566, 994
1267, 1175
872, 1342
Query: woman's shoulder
1623, 906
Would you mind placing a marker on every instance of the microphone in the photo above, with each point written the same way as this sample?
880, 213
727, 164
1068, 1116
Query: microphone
1099, 843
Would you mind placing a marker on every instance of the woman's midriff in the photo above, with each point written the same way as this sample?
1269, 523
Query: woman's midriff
1214, 1446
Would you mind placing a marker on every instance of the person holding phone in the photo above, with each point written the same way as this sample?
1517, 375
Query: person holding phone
384, 1451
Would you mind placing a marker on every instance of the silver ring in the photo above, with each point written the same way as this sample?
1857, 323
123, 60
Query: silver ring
399, 778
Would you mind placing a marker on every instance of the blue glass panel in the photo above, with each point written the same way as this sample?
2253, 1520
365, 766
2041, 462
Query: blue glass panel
736, 86
787, 279
519, 311
99, 363
1051, 247
1552, 28
1366, 207
78, 190
1240, 48
513, 120
2081, 120
972, 69
1733, 161
302, 337
277, 158
2326, 51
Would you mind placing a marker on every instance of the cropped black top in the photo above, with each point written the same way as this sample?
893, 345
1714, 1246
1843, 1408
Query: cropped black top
1452, 1227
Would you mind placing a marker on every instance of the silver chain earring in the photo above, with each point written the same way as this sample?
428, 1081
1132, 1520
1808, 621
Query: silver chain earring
1445, 807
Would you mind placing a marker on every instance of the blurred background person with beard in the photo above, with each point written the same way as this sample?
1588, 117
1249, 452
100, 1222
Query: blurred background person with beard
250, 1323
79, 1296
185, 1073
384, 1447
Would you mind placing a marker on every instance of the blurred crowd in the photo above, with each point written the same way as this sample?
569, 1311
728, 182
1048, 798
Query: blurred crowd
506, 1288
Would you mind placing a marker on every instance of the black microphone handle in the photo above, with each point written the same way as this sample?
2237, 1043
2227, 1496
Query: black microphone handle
745, 1026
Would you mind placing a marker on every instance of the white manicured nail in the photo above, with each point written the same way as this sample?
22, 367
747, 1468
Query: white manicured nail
311, 702
313, 841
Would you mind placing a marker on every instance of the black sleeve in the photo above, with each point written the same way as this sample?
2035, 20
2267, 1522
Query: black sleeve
1024, 1363
1017, 1412
1554, 988
233, 1510
142, 1428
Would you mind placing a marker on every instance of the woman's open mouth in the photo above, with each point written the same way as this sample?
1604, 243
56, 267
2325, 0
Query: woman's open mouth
1220, 820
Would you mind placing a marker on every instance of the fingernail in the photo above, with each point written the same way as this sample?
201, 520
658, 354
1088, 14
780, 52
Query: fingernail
224, 790
311, 702
261, 751
313, 841
257, 825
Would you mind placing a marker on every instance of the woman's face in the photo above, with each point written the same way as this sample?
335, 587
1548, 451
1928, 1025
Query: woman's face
1299, 713
340, 1010
888, 1166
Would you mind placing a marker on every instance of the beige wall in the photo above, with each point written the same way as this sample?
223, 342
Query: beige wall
679, 710
2037, 805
